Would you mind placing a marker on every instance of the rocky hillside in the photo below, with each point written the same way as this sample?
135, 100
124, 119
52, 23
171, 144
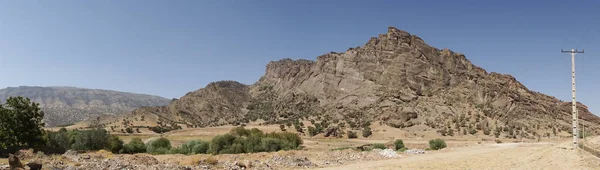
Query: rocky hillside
396, 79
65, 105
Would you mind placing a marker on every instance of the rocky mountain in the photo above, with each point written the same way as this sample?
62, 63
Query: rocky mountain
65, 105
395, 78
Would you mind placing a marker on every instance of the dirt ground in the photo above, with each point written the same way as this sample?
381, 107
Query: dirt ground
490, 156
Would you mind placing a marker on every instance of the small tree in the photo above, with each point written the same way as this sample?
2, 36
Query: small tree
367, 132
129, 130
282, 127
399, 144
437, 144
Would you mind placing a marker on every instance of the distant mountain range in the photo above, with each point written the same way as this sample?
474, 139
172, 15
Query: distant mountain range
66, 105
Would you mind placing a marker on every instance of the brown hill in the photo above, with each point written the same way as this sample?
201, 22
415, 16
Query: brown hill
395, 78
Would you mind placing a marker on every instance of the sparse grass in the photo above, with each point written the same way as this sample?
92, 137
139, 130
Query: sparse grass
341, 148
105, 153
190, 160
211, 160
379, 146
127, 138
3, 161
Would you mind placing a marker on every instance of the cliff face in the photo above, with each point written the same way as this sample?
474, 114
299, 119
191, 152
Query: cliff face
395, 78
64, 105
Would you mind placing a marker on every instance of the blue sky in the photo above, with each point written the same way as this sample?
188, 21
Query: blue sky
168, 48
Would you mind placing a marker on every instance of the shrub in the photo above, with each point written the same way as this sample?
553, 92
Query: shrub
200, 148
271, 144
399, 144
253, 144
136, 145
114, 144
486, 131
87, 140
437, 144
352, 135
472, 131
159, 146
129, 130
220, 143
191, 147
378, 146
58, 140
367, 132
312, 131
282, 127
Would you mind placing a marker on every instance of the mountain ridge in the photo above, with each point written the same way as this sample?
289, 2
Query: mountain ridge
66, 104
395, 78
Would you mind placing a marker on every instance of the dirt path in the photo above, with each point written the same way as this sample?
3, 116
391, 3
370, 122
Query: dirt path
490, 156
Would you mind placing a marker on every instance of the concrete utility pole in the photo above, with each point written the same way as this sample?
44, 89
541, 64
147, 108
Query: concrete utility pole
575, 116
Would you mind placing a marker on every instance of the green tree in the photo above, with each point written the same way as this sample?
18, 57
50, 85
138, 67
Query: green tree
21, 123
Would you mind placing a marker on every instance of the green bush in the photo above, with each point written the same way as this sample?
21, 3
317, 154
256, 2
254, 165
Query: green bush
220, 143
253, 144
159, 146
352, 135
58, 140
200, 148
437, 144
136, 145
399, 144
378, 146
87, 140
114, 144
271, 144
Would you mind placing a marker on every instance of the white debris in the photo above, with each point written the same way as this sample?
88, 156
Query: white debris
388, 153
414, 151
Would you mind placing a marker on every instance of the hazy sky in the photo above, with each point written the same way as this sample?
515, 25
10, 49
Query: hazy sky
168, 48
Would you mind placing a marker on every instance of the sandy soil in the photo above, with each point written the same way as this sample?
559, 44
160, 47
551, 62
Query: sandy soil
490, 156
